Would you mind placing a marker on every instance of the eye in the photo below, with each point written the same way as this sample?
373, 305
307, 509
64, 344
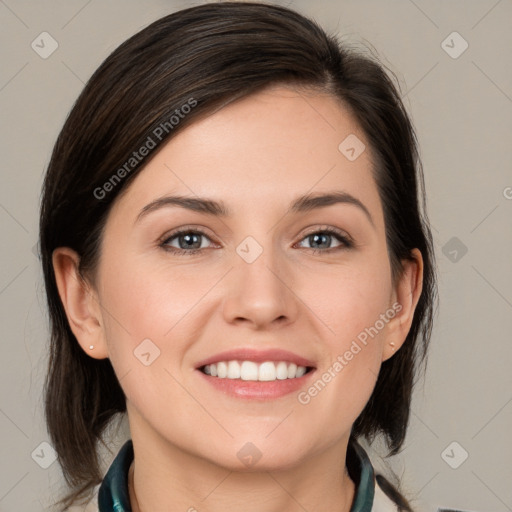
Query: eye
321, 238
188, 240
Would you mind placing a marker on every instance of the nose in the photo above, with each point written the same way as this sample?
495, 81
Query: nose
259, 293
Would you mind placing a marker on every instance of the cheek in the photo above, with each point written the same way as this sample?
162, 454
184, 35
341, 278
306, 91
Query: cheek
150, 300
345, 381
146, 314
353, 304
153, 310
348, 300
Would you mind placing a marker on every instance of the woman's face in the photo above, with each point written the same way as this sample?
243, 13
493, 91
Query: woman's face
275, 280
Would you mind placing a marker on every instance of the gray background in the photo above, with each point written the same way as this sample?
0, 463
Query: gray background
462, 110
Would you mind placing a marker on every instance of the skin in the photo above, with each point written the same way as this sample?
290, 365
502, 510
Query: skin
257, 155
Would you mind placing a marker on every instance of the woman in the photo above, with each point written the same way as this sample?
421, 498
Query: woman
186, 194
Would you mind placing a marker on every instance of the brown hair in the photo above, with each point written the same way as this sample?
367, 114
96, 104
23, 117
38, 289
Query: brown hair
213, 54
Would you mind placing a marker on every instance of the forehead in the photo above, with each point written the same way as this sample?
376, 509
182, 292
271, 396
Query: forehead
262, 151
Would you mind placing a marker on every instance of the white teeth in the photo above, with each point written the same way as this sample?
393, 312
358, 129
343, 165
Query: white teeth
282, 370
300, 371
249, 370
267, 371
222, 370
292, 370
233, 370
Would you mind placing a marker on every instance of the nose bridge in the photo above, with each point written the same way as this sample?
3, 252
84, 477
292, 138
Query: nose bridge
257, 287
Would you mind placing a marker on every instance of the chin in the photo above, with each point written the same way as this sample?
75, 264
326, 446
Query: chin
254, 454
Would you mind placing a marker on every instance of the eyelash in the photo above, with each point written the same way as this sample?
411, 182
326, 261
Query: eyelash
346, 241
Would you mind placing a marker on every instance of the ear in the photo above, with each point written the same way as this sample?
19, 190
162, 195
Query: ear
80, 303
405, 297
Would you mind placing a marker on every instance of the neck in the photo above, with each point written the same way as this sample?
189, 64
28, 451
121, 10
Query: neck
313, 489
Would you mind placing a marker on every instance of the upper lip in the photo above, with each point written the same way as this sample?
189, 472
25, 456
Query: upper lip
258, 356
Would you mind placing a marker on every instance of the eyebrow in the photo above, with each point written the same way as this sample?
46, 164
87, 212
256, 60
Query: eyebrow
302, 204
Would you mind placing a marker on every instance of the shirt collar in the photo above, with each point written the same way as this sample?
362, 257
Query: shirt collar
113, 493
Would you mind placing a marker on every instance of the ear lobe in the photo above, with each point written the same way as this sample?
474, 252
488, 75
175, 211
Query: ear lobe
80, 303
406, 296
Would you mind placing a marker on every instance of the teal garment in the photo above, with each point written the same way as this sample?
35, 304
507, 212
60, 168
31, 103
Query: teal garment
113, 493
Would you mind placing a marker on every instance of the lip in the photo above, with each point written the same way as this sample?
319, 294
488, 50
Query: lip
258, 356
258, 390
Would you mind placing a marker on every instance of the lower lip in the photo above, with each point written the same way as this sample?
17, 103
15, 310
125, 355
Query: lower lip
257, 390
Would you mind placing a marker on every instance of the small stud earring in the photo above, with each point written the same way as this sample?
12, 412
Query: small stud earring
91, 347
392, 343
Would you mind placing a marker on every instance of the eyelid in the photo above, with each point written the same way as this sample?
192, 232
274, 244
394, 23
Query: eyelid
346, 241
323, 228
185, 229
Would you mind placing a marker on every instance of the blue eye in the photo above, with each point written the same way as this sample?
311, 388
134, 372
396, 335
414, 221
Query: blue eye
324, 237
187, 242
190, 243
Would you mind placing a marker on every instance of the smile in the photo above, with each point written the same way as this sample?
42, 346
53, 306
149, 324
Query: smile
252, 371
